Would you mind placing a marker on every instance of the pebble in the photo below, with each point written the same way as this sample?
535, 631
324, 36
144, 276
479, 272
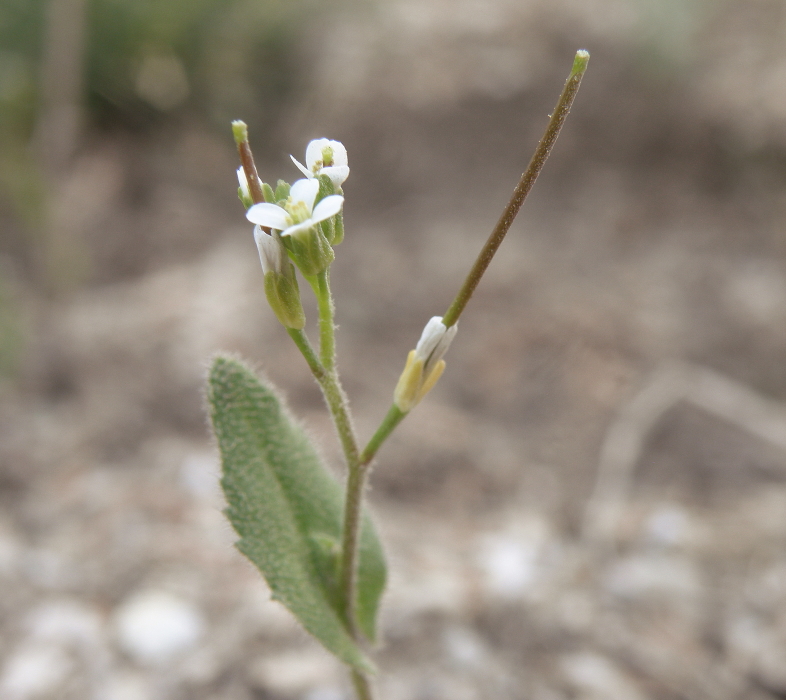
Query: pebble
154, 627
296, 672
643, 576
599, 678
33, 671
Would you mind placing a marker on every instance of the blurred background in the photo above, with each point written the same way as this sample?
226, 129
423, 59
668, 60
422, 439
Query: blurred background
592, 503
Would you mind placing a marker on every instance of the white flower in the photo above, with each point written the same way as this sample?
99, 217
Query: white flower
271, 253
424, 365
434, 343
243, 182
325, 157
298, 214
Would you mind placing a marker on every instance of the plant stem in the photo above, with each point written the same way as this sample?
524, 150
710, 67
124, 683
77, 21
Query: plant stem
356, 473
362, 685
327, 329
324, 371
522, 189
337, 403
388, 425
240, 132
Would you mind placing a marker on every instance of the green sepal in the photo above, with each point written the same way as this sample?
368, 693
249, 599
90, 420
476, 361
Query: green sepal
326, 187
287, 510
338, 228
268, 194
309, 250
325, 190
283, 295
246, 201
282, 191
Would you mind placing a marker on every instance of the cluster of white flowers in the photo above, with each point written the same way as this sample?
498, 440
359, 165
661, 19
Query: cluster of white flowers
298, 213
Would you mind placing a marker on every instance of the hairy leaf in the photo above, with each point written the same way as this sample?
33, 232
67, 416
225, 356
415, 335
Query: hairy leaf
287, 509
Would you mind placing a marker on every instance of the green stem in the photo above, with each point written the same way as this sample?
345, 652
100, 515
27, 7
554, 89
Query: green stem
362, 685
326, 375
388, 425
522, 189
327, 329
337, 404
303, 344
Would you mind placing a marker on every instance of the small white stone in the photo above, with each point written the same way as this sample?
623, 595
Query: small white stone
200, 476
464, 646
510, 561
295, 672
667, 526
660, 576
154, 627
33, 671
599, 678
66, 621
326, 692
126, 686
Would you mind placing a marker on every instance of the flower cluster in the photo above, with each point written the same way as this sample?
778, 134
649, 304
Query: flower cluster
299, 222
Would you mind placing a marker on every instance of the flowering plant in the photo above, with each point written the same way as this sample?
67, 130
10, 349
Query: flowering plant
311, 539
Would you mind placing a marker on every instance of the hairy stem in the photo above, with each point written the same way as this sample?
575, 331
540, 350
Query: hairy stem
308, 352
362, 686
558, 117
327, 329
356, 473
394, 416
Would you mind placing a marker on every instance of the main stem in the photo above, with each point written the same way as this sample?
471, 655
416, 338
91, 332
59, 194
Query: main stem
323, 367
356, 471
356, 479
327, 343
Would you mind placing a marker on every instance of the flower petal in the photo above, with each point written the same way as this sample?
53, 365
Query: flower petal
243, 182
336, 173
304, 191
307, 225
269, 215
302, 168
339, 153
314, 153
270, 251
327, 207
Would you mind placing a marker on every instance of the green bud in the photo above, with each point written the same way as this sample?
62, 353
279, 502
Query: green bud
326, 188
267, 192
281, 288
283, 295
310, 250
282, 191
338, 230
246, 200
239, 131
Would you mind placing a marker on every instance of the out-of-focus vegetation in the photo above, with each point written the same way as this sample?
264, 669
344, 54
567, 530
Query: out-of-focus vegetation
141, 62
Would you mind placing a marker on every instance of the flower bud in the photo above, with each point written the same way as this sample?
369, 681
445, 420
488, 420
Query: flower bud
310, 250
424, 365
281, 287
243, 191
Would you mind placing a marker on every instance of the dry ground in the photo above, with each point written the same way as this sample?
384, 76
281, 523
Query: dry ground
592, 503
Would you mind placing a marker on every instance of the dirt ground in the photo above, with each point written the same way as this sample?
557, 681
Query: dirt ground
591, 505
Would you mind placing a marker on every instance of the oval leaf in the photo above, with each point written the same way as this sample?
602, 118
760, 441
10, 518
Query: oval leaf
287, 509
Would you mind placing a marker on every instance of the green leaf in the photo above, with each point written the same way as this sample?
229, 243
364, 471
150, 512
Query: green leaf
287, 509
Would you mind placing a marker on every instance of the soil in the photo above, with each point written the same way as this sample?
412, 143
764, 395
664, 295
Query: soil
590, 504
